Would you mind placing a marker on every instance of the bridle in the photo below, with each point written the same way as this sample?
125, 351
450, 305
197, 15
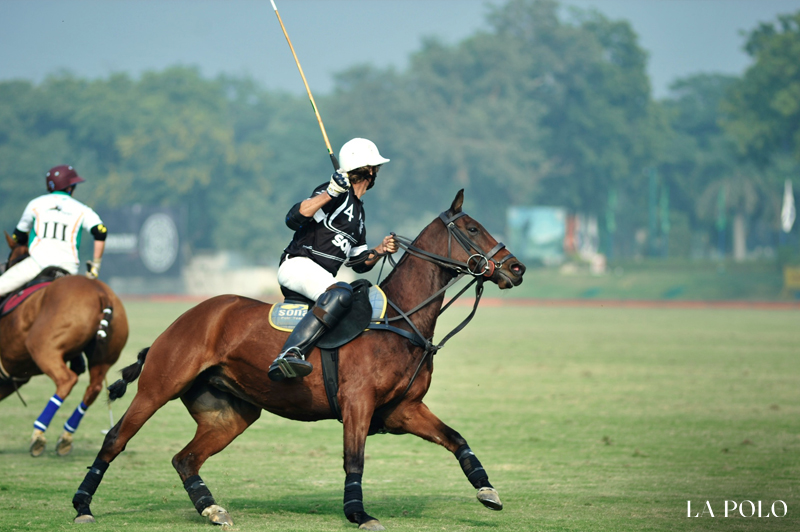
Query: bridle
484, 264
479, 264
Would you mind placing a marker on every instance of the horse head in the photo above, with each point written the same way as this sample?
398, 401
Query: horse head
18, 252
482, 254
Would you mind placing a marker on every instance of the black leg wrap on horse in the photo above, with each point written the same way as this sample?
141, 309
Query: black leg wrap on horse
353, 500
83, 497
472, 467
198, 492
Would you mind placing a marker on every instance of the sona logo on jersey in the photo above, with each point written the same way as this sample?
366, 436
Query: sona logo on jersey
342, 243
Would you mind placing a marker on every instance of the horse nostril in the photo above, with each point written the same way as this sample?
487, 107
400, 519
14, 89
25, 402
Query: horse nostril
517, 268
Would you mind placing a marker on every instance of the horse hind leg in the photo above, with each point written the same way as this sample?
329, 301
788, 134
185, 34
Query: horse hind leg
96, 376
65, 380
416, 418
142, 408
220, 418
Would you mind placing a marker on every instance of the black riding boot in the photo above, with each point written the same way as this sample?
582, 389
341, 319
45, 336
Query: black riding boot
329, 309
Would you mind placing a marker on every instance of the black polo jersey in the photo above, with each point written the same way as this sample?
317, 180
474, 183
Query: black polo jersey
333, 234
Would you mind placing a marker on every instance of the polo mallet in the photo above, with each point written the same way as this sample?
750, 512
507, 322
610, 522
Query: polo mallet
110, 413
310, 97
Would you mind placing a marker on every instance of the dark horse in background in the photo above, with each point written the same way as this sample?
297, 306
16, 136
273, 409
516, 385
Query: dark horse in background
53, 327
215, 359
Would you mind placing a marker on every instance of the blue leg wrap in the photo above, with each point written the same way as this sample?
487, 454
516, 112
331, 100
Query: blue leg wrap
44, 419
75, 419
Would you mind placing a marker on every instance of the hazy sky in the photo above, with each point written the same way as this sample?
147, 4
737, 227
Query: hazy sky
93, 38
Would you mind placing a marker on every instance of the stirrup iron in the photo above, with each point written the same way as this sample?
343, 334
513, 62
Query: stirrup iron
286, 368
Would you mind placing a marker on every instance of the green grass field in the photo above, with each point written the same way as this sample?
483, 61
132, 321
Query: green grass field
705, 281
587, 419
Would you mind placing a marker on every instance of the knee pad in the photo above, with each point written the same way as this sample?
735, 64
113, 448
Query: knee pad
334, 304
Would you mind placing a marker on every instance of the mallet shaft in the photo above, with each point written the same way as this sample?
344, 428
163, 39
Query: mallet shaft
310, 96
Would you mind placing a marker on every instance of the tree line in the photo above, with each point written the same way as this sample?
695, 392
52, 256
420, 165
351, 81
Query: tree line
542, 108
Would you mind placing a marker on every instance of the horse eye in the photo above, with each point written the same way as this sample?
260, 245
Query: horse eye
473, 230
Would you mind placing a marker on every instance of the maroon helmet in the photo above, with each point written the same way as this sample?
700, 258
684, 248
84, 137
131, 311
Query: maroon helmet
62, 177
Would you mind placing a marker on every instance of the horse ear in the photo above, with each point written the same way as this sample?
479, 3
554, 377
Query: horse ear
11, 242
455, 208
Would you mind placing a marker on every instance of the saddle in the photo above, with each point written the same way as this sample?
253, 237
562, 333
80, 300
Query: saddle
369, 305
15, 299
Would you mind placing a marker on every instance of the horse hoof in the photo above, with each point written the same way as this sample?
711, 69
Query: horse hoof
490, 498
38, 444
372, 524
218, 516
64, 445
82, 519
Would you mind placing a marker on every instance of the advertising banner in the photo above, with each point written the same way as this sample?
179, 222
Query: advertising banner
537, 233
143, 241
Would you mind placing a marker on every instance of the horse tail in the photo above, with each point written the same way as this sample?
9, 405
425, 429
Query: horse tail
104, 329
97, 349
129, 374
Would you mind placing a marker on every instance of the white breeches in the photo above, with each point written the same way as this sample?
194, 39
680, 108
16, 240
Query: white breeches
25, 271
305, 276
18, 275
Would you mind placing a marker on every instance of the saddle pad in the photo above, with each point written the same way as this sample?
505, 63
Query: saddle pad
285, 316
15, 299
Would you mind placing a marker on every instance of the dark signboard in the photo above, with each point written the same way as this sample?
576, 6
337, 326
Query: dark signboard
143, 241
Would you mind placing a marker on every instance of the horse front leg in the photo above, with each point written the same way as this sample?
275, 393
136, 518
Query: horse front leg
416, 418
356, 416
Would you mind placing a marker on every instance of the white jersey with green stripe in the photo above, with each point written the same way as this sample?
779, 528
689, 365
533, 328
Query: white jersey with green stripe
54, 222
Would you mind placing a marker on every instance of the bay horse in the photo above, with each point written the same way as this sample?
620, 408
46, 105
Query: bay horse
54, 326
215, 359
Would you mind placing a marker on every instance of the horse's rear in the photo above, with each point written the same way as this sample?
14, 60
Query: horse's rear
214, 358
227, 343
73, 315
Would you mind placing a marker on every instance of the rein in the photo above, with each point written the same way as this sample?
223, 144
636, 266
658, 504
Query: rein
5, 377
484, 267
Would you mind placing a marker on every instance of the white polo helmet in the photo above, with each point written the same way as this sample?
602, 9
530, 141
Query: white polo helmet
359, 152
